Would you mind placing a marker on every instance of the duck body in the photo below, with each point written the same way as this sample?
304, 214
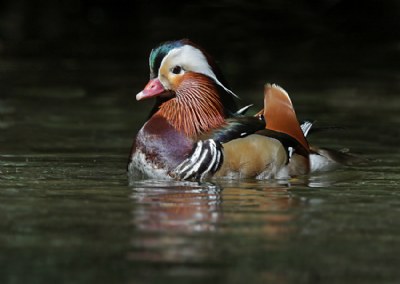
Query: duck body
157, 152
195, 130
254, 156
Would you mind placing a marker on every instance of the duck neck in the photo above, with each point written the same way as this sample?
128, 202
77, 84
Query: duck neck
196, 108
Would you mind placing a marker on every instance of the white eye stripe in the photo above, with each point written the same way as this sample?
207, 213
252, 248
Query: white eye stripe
192, 59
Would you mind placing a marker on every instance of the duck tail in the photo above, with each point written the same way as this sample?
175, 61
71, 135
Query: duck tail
325, 159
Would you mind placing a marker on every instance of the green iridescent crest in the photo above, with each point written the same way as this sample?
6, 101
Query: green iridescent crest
158, 54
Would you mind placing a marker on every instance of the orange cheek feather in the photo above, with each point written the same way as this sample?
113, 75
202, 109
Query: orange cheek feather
175, 81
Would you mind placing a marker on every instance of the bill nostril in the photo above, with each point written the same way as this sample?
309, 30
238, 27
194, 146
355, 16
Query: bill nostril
154, 86
151, 86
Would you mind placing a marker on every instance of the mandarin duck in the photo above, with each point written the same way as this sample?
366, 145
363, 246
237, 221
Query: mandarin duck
195, 130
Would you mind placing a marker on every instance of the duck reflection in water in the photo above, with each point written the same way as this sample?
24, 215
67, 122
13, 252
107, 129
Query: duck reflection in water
183, 221
176, 206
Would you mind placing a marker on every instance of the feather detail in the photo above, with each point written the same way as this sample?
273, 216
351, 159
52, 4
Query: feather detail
237, 127
243, 110
280, 116
196, 108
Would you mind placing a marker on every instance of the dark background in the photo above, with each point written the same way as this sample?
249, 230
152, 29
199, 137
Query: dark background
306, 44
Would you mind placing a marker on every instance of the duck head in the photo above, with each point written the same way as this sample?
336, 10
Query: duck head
187, 82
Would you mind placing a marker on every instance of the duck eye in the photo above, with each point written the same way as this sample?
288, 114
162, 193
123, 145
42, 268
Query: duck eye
177, 69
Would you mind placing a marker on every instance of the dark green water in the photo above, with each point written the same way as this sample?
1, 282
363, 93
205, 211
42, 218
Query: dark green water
69, 214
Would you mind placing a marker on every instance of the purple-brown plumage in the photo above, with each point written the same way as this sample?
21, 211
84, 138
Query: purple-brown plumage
159, 146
